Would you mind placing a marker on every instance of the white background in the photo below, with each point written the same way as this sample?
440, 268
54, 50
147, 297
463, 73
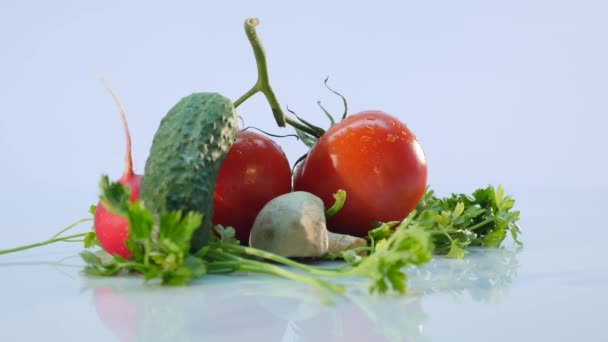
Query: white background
510, 92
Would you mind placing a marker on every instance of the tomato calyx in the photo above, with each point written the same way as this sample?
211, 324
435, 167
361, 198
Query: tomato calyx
344, 102
310, 133
306, 131
271, 134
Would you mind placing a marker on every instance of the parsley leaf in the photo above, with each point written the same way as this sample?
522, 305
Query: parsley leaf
227, 235
90, 240
160, 243
461, 220
160, 249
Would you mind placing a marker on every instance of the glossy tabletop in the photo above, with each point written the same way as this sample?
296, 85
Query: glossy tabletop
552, 289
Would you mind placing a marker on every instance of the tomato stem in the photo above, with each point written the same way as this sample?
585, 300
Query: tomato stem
270, 134
263, 86
344, 103
263, 83
302, 127
246, 96
315, 131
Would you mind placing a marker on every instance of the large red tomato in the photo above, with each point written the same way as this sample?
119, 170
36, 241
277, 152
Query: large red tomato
378, 162
255, 171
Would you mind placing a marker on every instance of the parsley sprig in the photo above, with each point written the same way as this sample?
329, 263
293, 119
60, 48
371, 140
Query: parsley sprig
459, 221
160, 246
163, 254
408, 246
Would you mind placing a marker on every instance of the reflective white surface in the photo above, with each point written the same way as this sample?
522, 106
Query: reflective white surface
510, 92
553, 289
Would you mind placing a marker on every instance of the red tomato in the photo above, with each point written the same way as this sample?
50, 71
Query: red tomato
378, 162
255, 171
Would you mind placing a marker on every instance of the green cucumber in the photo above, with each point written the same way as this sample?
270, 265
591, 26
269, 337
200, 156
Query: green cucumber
185, 158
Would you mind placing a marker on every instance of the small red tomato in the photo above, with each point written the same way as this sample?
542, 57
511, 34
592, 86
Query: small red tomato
255, 171
378, 162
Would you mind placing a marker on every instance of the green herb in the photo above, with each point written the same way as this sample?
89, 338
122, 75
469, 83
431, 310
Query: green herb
58, 237
160, 250
163, 255
459, 221
409, 245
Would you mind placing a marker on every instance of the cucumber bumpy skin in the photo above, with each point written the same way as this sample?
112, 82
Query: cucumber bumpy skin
185, 158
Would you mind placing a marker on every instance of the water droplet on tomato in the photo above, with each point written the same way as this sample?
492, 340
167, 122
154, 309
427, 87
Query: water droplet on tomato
365, 139
391, 138
370, 118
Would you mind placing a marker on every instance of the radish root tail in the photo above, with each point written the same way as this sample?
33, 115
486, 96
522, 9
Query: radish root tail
128, 171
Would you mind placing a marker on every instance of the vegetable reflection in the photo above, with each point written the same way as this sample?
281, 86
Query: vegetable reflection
259, 308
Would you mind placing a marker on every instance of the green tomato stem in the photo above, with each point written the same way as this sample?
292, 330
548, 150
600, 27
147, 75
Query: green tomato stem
246, 96
263, 83
293, 123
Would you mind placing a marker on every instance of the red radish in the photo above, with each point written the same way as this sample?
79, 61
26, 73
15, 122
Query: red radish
112, 230
117, 312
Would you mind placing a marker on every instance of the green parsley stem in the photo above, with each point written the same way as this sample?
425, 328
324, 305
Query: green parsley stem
71, 226
481, 224
147, 248
255, 266
282, 260
222, 267
319, 284
43, 243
